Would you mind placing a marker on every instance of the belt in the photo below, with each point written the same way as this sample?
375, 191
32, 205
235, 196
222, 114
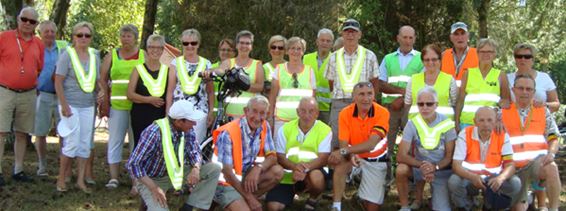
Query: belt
380, 159
17, 90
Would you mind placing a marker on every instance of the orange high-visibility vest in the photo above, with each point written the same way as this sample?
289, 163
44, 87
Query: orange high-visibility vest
493, 159
528, 143
449, 67
235, 132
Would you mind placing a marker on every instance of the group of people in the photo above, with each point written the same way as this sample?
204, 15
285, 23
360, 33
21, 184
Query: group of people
467, 128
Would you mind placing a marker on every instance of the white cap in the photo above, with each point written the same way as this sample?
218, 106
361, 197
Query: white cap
183, 109
67, 125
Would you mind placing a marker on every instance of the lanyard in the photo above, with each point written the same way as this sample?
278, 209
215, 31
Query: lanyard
524, 126
21, 53
459, 63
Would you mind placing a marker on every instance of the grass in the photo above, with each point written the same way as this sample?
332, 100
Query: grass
41, 194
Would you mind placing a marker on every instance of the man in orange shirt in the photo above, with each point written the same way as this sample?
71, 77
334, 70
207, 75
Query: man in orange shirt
363, 127
21, 59
457, 60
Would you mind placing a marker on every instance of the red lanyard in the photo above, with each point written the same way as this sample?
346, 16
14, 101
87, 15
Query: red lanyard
21, 53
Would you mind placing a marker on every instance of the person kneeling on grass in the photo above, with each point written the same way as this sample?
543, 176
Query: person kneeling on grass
247, 153
303, 147
158, 160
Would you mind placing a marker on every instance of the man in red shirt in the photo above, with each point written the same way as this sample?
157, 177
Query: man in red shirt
21, 59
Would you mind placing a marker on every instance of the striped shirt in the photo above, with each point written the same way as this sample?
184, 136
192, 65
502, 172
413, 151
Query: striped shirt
147, 158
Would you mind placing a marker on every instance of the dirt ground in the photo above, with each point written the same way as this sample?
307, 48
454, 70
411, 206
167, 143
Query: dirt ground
41, 195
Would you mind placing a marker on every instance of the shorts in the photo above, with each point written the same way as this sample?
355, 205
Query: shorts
46, 113
372, 187
284, 193
17, 108
527, 174
225, 195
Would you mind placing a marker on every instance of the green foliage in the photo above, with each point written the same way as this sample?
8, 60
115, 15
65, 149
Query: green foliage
3, 18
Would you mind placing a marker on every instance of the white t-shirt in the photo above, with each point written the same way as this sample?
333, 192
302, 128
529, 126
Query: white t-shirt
281, 141
543, 85
275, 75
460, 150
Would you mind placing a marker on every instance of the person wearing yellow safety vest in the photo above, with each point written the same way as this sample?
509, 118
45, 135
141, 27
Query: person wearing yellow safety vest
76, 86
431, 135
276, 48
346, 67
482, 86
395, 71
483, 158
291, 81
245, 149
167, 153
318, 61
244, 43
188, 85
115, 72
534, 138
46, 105
226, 50
303, 147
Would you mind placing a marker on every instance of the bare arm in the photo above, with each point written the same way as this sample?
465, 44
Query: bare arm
259, 77
104, 87
390, 89
505, 100
366, 146
404, 157
171, 85
273, 97
131, 94
460, 101
552, 101
60, 91
448, 154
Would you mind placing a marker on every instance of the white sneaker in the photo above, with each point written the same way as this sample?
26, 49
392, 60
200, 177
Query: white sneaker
42, 173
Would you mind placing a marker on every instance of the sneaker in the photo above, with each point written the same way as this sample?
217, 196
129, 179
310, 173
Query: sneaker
21, 177
405, 209
415, 205
42, 173
113, 183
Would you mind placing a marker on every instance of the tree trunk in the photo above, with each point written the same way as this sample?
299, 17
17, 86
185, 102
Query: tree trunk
148, 20
59, 15
12, 9
483, 11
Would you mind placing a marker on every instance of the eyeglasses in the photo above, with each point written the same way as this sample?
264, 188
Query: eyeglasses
225, 50
244, 43
428, 104
295, 81
274, 47
30, 21
486, 52
523, 56
81, 35
193, 43
431, 60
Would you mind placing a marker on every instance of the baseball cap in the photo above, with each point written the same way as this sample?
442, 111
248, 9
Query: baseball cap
183, 109
458, 25
67, 125
351, 24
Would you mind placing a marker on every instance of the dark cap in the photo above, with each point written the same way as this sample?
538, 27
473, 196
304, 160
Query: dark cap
351, 24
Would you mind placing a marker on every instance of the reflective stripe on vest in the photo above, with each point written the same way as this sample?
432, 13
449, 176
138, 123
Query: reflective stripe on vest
189, 84
349, 78
442, 88
61, 44
430, 137
120, 72
289, 97
174, 165
304, 151
529, 142
267, 71
323, 94
236, 104
234, 130
492, 163
88, 82
480, 92
449, 67
155, 87
397, 76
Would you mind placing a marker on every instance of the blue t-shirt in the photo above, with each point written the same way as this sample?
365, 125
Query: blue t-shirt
44, 81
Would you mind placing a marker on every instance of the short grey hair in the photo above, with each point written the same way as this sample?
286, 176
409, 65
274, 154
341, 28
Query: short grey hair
130, 28
258, 99
428, 90
325, 31
156, 38
338, 43
244, 33
526, 46
294, 40
191, 33
487, 41
47, 23
29, 9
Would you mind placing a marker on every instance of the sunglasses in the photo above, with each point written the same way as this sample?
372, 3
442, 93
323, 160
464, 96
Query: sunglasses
193, 43
81, 35
274, 47
30, 21
295, 81
523, 56
225, 50
428, 104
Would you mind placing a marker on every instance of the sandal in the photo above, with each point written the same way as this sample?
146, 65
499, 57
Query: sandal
87, 191
310, 204
61, 189
113, 183
90, 181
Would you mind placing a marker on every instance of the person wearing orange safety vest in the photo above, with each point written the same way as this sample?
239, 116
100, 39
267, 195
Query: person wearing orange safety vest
425, 152
457, 60
533, 134
115, 72
245, 149
363, 129
483, 158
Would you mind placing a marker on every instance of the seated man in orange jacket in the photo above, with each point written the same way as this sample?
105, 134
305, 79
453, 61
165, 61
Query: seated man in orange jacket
246, 151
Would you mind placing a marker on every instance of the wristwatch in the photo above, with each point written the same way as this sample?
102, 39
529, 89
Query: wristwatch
437, 167
344, 152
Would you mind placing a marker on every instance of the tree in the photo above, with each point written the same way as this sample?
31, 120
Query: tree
483, 11
59, 15
149, 20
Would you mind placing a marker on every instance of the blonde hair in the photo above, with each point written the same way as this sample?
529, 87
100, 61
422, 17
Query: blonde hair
277, 38
294, 40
